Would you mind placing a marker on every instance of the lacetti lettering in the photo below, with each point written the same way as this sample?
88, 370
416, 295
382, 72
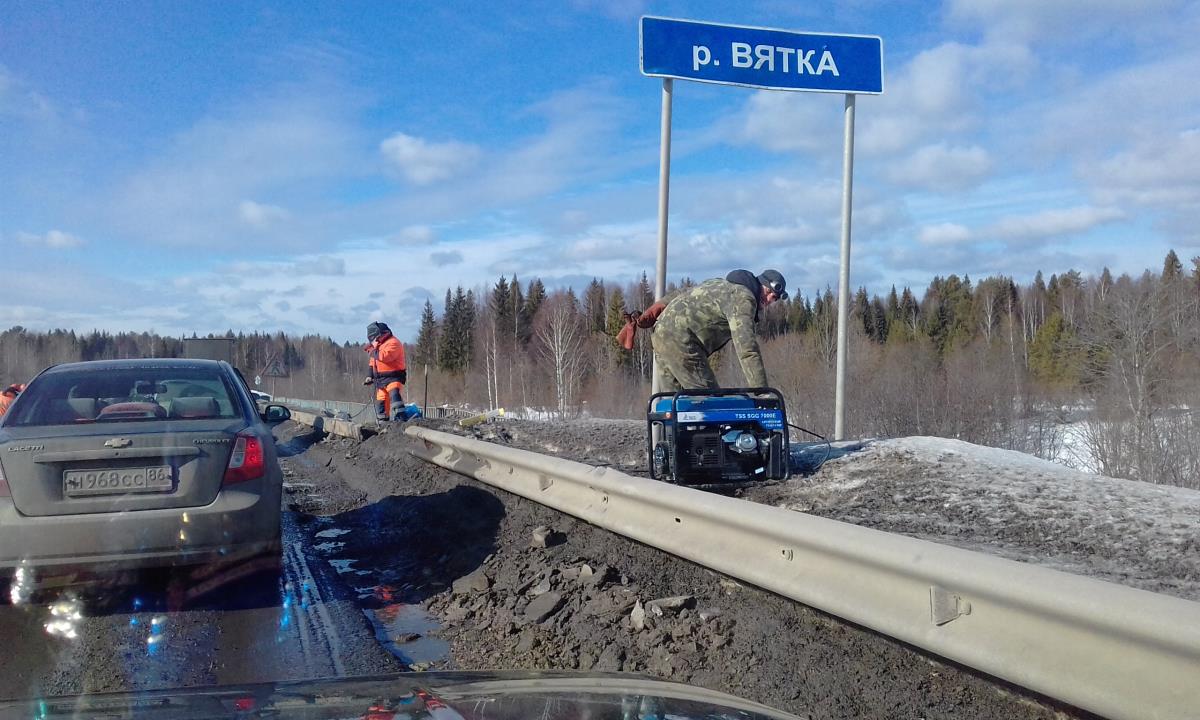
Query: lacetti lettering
771, 58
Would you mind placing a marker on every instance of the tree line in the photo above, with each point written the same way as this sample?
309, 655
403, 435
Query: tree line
1100, 368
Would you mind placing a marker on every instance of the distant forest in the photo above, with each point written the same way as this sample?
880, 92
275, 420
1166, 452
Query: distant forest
1110, 364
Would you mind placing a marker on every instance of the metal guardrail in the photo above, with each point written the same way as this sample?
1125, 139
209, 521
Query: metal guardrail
363, 413
1111, 650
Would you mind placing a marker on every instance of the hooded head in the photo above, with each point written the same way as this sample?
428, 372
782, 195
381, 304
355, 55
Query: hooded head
773, 279
377, 330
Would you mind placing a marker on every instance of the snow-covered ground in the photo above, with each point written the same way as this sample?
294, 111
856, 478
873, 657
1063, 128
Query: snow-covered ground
1074, 451
1010, 504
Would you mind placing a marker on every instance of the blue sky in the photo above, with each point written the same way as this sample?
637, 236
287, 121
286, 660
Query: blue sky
187, 166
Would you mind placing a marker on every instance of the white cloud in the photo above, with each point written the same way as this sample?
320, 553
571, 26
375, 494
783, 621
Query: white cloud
1026, 21
789, 122
1162, 170
1051, 223
942, 167
54, 239
442, 259
260, 215
198, 189
941, 92
943, 234
322, 265
415, 235
423, 162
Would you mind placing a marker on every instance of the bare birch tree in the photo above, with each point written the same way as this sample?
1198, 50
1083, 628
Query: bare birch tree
560, 343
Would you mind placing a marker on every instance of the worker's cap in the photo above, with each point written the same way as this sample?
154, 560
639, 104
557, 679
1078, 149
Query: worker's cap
774, 280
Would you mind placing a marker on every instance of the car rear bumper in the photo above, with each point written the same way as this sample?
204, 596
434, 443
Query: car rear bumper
239, 524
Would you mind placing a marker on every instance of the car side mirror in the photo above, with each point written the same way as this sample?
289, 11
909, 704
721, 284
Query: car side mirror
274, 414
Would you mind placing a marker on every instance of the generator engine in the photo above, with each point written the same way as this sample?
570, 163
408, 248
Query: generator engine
711, 437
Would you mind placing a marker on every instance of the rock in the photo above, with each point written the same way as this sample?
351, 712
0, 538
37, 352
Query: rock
455, 614
611, 658
541, 588
637, 618
710, 614
609, 604
586, 572
662, 606
527, 641
599, 576
541, 535
543, 607
420, 666
476, 582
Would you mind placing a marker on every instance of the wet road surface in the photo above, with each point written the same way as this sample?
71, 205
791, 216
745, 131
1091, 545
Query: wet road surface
122, 635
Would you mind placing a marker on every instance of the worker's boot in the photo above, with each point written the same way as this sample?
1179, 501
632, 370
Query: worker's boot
381, 410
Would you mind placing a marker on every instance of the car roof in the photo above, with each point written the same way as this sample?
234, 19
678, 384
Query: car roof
137, 364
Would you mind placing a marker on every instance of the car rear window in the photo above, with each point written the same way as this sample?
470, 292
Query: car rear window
126, 395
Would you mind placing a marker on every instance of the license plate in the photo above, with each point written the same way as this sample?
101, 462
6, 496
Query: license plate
114, 482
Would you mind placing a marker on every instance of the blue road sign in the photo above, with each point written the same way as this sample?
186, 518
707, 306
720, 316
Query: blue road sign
761, 57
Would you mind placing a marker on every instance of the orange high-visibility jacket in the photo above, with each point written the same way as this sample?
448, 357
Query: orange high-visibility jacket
387, 361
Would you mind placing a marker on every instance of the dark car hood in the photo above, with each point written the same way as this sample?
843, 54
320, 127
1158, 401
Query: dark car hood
414, 696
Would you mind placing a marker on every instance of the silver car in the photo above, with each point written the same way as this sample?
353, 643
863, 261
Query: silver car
127, 464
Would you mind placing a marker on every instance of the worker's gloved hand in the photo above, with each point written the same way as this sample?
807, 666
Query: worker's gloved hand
368, 347
368, 381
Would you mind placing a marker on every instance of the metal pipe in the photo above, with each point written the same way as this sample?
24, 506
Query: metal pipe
839, 402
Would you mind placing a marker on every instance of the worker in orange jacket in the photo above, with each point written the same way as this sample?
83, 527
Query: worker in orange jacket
387, 371
7, 396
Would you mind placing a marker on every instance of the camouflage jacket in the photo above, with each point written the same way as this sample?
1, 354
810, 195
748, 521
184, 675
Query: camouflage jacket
706, 317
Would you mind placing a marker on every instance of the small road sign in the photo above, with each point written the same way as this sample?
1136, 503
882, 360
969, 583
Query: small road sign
761, 57
275, 368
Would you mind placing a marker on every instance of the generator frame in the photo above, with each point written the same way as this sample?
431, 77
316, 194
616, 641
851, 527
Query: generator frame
671, 418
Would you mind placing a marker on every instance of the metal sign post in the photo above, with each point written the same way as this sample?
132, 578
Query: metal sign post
768, 59
664, 192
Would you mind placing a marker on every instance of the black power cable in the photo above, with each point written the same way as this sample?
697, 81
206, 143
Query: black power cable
828, 445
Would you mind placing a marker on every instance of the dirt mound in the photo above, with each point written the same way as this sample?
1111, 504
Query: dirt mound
527, 587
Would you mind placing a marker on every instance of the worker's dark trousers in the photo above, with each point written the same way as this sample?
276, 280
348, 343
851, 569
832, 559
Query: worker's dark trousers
397, 403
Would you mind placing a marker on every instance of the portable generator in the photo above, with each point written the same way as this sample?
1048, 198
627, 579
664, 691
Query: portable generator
710, 437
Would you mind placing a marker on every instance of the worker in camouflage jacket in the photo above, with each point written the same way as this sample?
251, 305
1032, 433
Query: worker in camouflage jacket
699, 321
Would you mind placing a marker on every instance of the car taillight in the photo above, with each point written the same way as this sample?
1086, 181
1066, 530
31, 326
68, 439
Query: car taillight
246, 462
4, 491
